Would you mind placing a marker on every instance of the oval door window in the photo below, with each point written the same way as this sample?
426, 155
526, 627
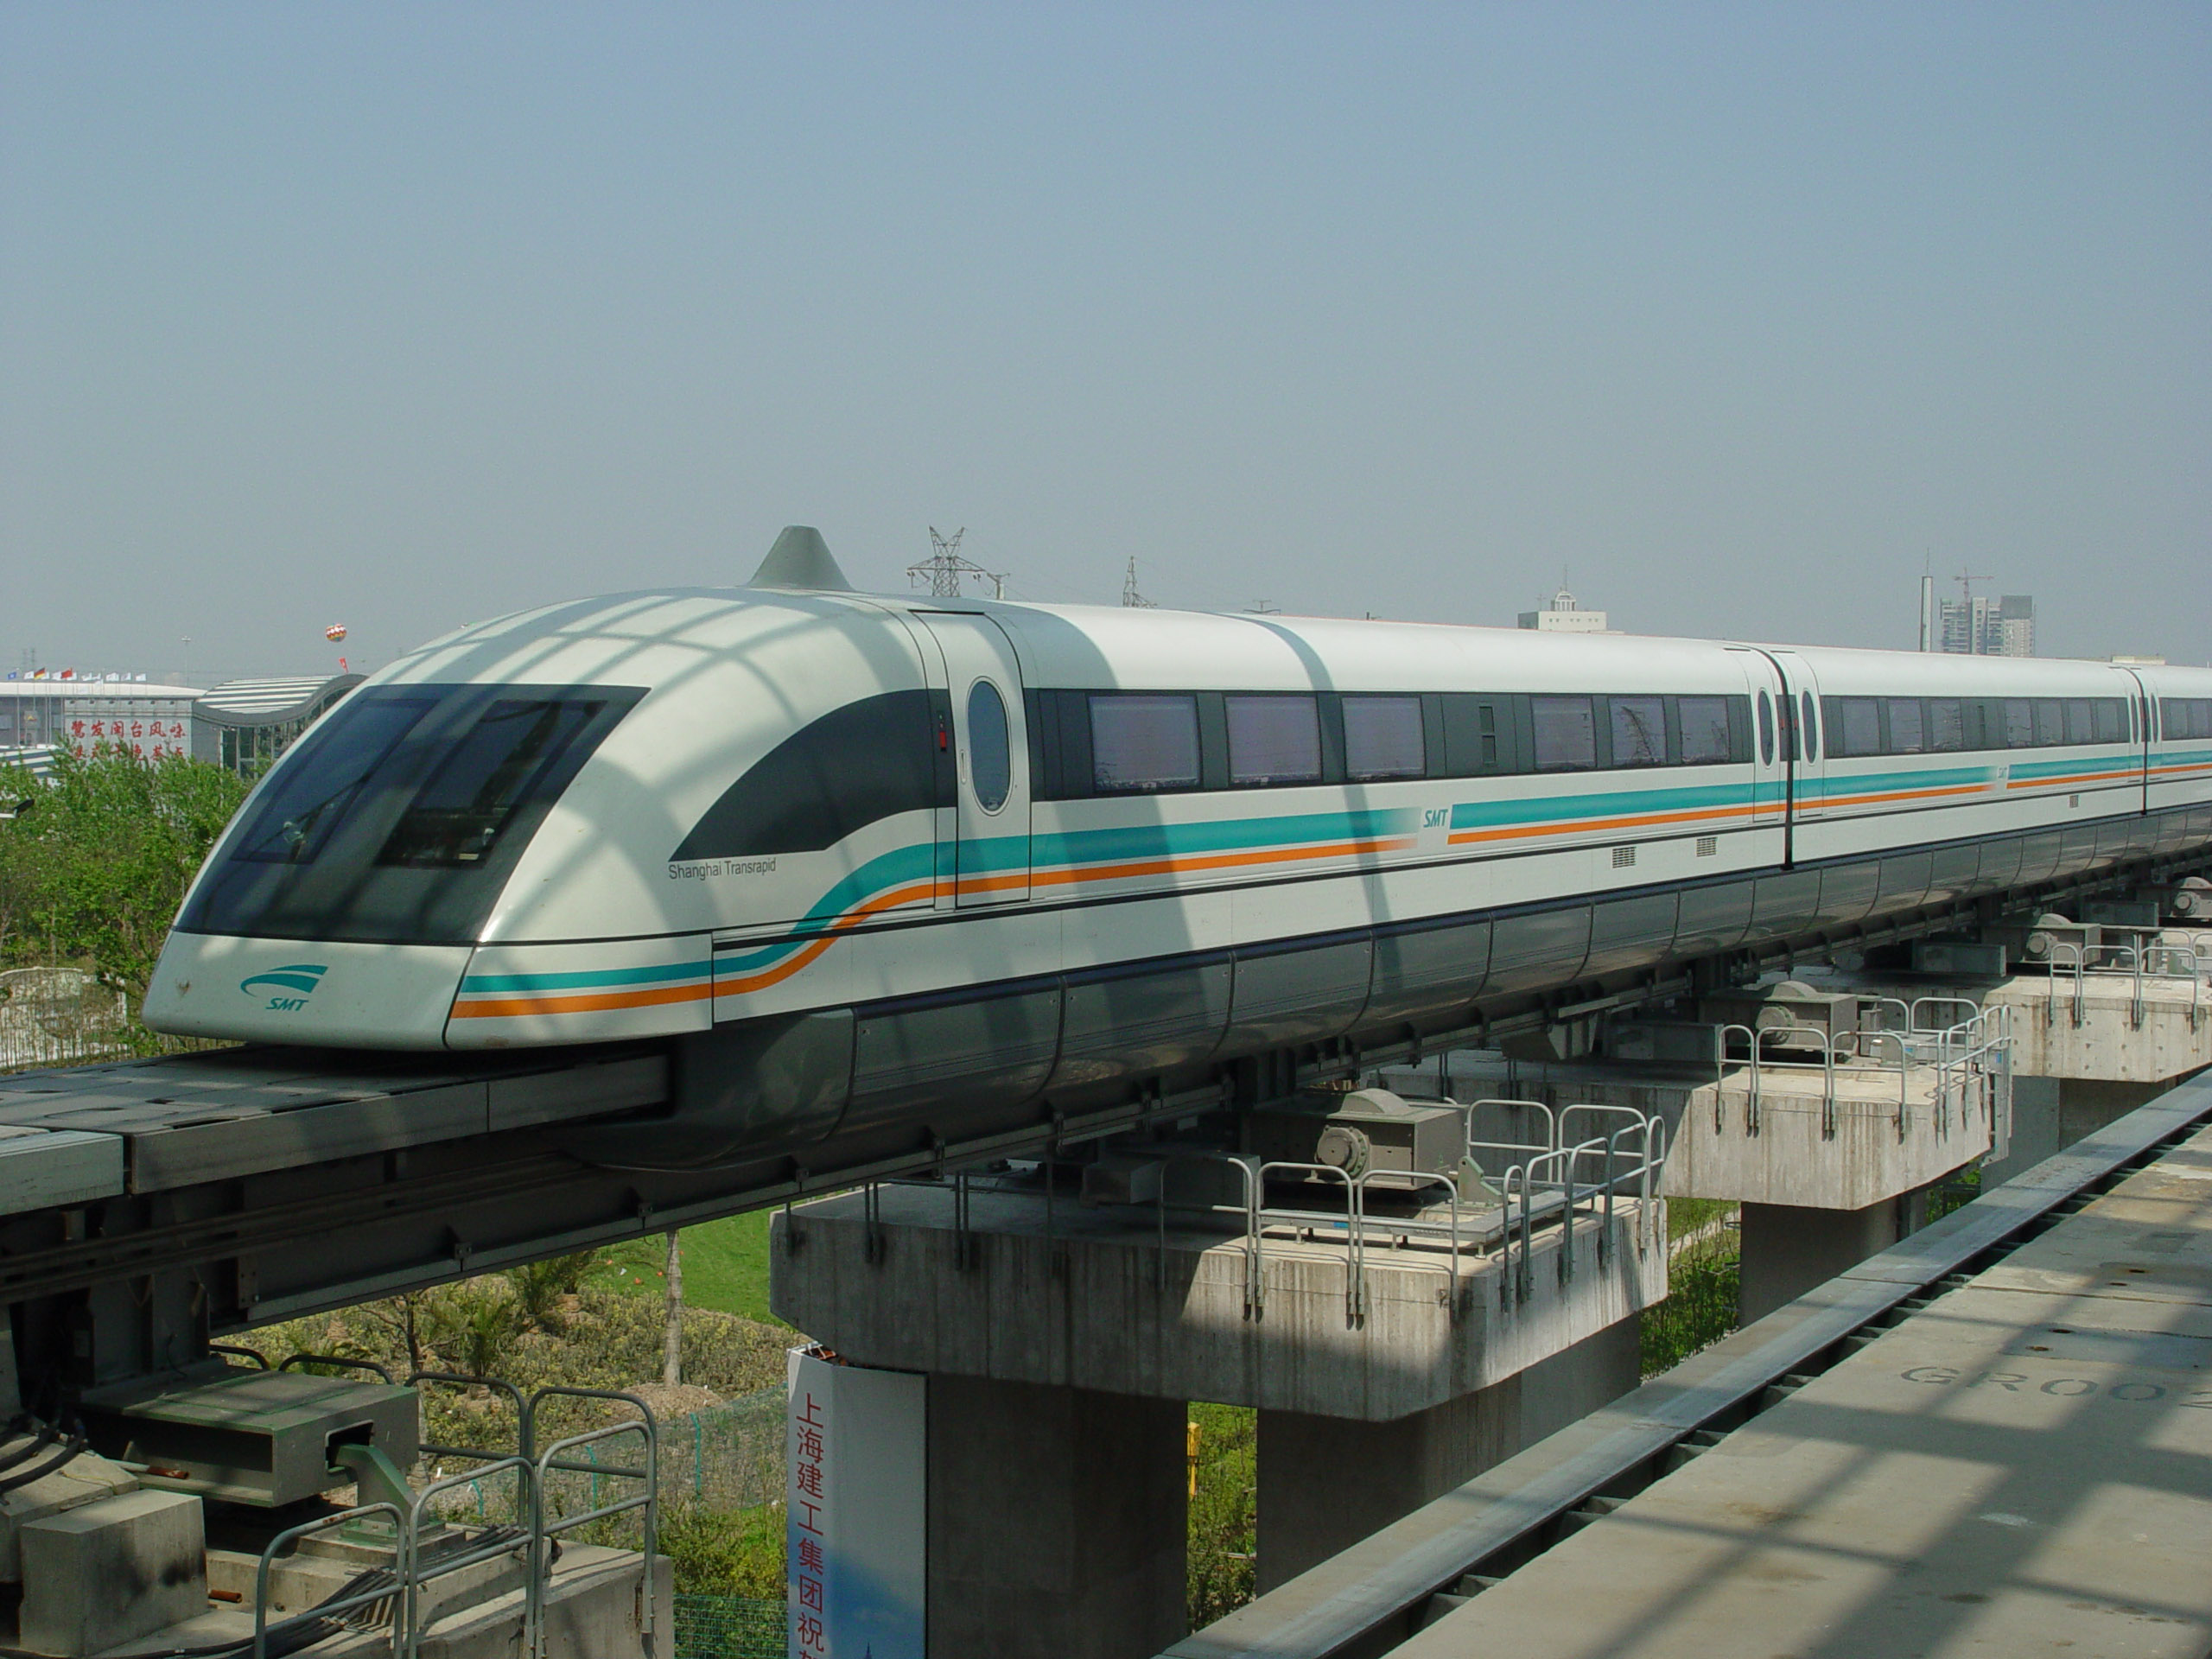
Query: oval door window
990, 760
1812, 728
1766, 730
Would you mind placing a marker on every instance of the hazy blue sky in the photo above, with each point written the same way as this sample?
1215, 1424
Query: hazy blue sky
402, 315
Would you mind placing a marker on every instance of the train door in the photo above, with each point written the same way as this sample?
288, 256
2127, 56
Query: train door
990, 856
2139, 713
1801, 737
1770, 766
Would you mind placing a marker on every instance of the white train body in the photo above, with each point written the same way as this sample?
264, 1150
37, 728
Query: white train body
1183, 838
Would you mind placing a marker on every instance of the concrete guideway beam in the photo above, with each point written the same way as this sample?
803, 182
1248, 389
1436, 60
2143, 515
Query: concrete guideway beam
2108, 1026
1105, 1299
1873, 1136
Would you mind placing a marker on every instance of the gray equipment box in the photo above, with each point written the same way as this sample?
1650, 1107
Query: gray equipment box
2121, 912
264, 1438
1369, 1132
1958, 959
1118, 1177
2048, 938
1790, 1006
1665, 1042
2191, 899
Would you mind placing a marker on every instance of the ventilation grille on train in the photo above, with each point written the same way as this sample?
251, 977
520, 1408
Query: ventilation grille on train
1622, 857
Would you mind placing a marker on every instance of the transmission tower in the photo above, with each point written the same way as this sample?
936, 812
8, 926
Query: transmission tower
941, 572
1130, 598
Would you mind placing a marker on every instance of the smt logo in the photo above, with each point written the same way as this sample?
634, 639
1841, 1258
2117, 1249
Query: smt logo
300, 976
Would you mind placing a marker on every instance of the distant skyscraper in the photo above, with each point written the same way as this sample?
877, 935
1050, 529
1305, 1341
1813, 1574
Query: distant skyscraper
1977, 626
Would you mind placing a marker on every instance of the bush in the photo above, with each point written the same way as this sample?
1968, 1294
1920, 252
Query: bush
724, 1552
94, 872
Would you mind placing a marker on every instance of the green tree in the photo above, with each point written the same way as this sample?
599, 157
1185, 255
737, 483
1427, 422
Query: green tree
93, 869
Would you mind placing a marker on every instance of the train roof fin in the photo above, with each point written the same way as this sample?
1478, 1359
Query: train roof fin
800, 558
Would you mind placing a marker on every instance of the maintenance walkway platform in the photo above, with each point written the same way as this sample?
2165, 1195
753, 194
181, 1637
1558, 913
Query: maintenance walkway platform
1995, 1438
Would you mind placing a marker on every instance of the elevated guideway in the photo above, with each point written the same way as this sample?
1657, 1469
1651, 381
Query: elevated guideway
1987, 1438
149, 1207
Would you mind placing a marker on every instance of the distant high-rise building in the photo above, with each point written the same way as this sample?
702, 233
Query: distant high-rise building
1977, 626
1560, 614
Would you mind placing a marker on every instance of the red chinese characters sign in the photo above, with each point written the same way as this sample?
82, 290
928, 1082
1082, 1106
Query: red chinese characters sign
149, 730
854, 1511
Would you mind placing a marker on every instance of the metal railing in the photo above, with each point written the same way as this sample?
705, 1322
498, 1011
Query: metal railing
1970, 1058
2158, 957
1544, 1181
415, 1572
413, 1568
1553, 1192
544, 1530
262, 1629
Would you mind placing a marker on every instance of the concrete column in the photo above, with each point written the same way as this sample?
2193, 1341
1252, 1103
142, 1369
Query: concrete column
2087, 1105
2051, 1113
1058, 1521
1788, 1248
1325, 1483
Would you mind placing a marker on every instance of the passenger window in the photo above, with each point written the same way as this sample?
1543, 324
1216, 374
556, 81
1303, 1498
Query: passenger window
1639, 731
1905, 735
1142, 740
1947, 723
456, 816
1812, 728
1383, 739
2111, 720
1566, 734
1273, 740
1705, 730
2020, 723
1766, 730
990, 754
1860, 726
2081, 721
2050, 721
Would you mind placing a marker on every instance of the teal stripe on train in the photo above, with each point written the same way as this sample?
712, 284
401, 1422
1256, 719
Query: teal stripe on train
587, 979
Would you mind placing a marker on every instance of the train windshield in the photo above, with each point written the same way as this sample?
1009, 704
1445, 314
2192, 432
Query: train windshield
398, 815
504, 762
305, 800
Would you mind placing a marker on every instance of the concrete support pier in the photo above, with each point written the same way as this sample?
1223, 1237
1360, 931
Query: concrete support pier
1056, 1520
1325, 1483
1063, 1342
1789, 1249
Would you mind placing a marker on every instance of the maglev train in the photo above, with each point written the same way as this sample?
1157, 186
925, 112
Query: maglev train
898, 865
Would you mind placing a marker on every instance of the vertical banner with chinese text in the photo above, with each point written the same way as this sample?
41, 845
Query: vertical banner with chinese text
855, 1524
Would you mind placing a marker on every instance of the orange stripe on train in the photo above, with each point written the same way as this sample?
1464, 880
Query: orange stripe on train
510, 1007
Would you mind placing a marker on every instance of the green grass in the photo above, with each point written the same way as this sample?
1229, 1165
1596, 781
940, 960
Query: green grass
725, 1266
1218, 1561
